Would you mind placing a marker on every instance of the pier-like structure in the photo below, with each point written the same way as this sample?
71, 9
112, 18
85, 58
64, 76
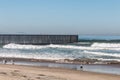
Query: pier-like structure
37, 39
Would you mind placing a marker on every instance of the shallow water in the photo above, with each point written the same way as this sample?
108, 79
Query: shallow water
100, 68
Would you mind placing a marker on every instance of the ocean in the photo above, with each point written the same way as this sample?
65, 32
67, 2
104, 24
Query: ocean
105, 48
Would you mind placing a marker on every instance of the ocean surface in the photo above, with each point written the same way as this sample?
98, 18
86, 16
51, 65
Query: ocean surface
106, 48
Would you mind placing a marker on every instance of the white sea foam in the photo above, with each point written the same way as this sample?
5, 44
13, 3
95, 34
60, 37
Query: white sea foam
109, 59
19, 46
17, 54
55, 56
106, 45
90, 50
95, 46
102, 53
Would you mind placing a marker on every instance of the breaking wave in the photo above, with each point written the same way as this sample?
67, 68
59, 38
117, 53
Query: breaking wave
106, 45
19, 46
103, 51
94, 46
103, 54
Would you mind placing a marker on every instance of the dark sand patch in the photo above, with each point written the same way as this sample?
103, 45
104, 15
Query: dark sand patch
4, 73
44, 77
41, 75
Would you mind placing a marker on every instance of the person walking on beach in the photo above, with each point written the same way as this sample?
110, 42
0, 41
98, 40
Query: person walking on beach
4, 61
81, 67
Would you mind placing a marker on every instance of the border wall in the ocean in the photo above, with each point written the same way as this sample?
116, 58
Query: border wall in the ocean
37, 39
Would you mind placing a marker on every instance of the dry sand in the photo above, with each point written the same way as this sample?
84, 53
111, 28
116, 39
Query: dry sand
15, 72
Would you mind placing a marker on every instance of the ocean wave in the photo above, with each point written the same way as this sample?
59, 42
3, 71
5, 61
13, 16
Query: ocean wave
103, 53
95, 46
106, 45
30, 55
62, 51
19, 46
102, 59
54, 56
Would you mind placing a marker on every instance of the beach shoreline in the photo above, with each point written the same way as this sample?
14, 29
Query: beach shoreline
22, 72
98, 67
69, 61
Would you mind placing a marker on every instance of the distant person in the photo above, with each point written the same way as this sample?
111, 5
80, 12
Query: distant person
81, 67
4, 61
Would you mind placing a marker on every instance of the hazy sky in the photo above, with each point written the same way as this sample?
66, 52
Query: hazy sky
60, 16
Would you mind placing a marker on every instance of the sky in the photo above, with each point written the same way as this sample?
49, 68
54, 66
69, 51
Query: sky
93, 17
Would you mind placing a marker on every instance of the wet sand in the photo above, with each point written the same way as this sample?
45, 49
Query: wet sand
99, 68
17, 72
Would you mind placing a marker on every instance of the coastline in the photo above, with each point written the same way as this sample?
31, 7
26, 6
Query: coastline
15, 72
69, 61
98, 67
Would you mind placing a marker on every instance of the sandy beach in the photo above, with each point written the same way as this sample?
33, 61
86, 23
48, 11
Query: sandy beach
18, 72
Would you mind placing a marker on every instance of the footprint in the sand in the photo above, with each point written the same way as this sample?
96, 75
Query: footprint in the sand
41, 75
38, 77
3, 73
24, 76
30, 79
